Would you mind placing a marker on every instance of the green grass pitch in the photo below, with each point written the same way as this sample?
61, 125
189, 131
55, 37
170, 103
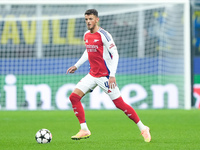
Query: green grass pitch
111, 130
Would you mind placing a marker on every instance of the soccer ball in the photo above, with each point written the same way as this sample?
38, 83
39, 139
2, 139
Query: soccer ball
43, 136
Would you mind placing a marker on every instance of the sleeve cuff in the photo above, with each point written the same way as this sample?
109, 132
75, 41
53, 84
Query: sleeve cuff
112, 75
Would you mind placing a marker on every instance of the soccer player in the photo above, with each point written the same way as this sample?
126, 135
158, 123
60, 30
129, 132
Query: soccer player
102, 54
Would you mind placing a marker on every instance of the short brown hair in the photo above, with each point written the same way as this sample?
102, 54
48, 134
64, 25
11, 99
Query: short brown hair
91, 11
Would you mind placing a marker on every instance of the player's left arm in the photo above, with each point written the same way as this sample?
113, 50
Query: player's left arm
113, 68
111, 47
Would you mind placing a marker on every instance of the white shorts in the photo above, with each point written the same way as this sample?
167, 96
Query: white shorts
88, 83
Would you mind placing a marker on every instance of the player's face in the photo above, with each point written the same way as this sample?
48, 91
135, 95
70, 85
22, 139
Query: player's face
91, 21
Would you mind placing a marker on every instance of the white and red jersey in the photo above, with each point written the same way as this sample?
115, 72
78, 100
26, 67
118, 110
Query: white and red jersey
101, 53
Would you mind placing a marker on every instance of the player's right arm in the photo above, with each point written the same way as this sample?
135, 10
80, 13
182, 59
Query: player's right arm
83, 59
71, 69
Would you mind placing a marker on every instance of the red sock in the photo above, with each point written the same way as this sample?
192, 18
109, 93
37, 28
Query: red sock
127, 109
77, 107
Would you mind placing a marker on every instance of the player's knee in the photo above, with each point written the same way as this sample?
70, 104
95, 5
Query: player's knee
74, 98
119, 102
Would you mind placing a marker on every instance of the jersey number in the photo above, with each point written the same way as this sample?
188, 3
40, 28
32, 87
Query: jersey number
106, 84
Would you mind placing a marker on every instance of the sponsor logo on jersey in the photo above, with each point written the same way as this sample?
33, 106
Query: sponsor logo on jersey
92, 48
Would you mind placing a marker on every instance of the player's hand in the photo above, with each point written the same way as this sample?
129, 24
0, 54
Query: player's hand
112, 82
72, 69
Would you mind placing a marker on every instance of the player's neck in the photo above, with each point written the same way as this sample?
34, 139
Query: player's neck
94, 30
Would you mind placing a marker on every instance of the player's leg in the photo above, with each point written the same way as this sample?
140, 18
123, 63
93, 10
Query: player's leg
115, 96
131, 113
75, 99
81, 89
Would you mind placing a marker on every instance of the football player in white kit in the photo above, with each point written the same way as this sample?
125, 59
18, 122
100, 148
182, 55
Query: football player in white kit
103, 57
